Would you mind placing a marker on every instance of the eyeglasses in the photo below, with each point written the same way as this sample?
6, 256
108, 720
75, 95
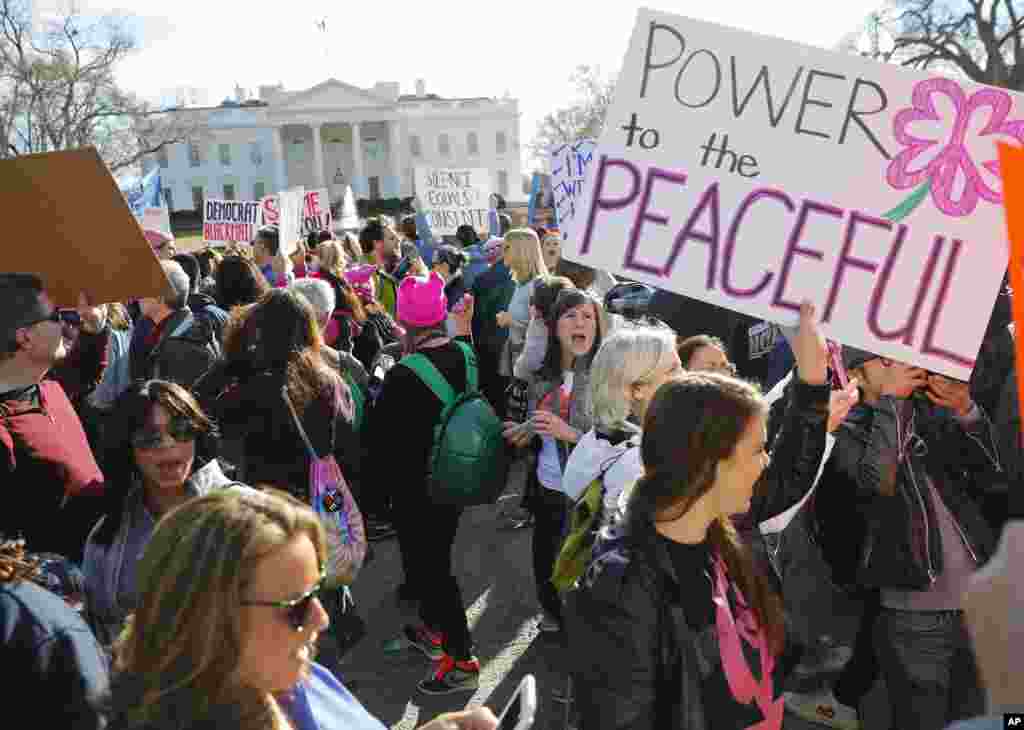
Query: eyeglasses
179, 430
297, 609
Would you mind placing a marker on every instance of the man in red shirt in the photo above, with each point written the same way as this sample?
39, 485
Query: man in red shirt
48, 470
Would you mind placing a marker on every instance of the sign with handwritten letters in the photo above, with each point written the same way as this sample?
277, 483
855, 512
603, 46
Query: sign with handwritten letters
568, 170
752, 172
230, 220
316, 211
451, 197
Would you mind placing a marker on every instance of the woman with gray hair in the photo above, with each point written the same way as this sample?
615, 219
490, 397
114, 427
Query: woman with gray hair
629, 367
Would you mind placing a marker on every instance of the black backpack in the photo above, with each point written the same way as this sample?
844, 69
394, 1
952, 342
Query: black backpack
186, 353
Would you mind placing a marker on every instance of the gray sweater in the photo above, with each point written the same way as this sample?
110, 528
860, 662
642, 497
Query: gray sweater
111, 592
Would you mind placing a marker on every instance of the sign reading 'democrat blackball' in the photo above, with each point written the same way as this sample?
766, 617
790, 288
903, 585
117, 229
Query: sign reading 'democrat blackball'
451, 197
752, 172
230, 220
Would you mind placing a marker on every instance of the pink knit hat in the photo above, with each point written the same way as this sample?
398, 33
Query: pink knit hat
421, 301
156, 238
361, 279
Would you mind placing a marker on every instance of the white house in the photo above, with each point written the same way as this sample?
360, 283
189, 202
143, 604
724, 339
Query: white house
334, 135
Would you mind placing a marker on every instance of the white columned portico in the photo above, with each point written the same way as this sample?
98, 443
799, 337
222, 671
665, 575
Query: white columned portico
279, 160
357, 160
318, 156
395, 150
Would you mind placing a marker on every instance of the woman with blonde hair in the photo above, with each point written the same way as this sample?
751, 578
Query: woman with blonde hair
225, 632
522, 255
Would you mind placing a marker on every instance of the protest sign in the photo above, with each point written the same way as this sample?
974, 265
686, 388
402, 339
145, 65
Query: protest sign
269, 209
568, 169
316, 212
142, 192
1011, 166
157, 219
751, 172
68, 223
290, 207
451, 197
226, 221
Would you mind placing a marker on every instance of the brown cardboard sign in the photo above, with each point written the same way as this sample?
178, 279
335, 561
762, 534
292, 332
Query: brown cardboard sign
67, 222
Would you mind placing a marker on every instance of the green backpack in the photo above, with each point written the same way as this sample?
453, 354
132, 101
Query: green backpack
468, 462
578, 546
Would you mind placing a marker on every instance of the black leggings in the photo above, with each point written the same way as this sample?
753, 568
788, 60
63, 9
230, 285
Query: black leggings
549, 509
426, 535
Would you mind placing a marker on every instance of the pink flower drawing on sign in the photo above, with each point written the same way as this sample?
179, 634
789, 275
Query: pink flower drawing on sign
944, 166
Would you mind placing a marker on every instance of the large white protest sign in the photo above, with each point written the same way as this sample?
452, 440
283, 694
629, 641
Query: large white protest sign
230, 220
451, 197
569, 164
290, 206
752, 172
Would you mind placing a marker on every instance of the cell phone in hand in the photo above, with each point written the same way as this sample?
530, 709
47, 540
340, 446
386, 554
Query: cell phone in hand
521, 710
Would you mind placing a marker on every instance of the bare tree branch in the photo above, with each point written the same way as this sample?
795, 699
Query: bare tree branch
58, 90
962, 37
584, 117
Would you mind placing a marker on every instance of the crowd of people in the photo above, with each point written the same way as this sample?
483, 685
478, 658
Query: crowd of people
164, 563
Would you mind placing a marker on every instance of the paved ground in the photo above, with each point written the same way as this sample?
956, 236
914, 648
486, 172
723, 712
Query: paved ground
493, 568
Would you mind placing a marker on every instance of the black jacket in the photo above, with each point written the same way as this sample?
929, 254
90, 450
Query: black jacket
250, 407
636, 663
887, 498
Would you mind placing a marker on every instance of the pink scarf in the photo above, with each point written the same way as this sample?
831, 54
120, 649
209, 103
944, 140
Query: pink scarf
732, 632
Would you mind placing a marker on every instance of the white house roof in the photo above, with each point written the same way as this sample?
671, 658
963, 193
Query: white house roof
331, 94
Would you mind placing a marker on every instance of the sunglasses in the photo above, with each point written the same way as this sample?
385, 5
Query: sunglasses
179, 430
296, 609
60, 316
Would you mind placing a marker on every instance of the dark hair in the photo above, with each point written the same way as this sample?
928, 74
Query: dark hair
19, 304
270, 235
467, 235
505, 223
582, 276
280, 334
690, 345
239, 281
315, 238
408, 228
207, 261
456, 258
371, 233
692, 423
129, 413
567, 299
541, 231
546, 291
190, 265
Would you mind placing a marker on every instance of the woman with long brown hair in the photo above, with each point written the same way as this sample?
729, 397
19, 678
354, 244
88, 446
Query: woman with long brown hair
272, 363
673, 624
